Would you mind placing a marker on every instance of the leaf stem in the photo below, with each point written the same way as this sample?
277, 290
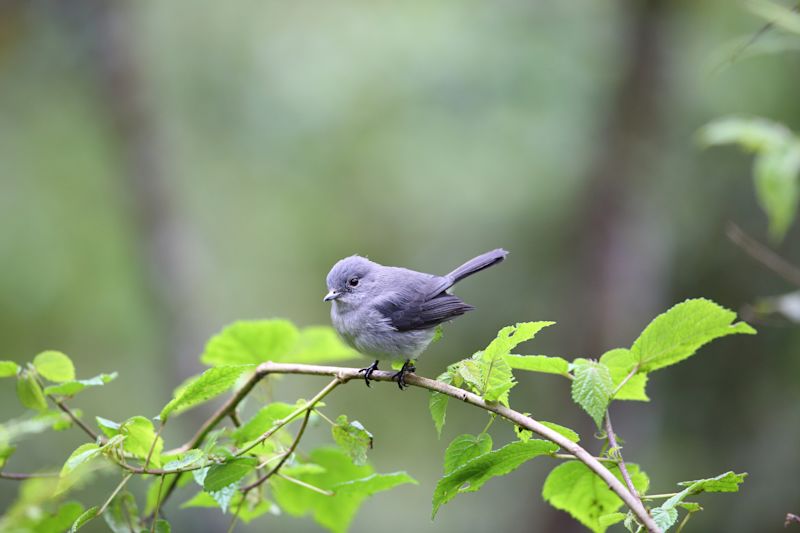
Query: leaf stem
305, 485
289, 452
622, 383
612, 441
113, 494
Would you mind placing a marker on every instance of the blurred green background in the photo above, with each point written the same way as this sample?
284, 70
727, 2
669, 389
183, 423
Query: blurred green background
169, 167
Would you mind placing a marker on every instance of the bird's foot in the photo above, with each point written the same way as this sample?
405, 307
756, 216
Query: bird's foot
400, 377
368, 372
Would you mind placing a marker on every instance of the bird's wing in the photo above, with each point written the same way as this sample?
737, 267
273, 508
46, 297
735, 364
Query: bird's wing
421, 312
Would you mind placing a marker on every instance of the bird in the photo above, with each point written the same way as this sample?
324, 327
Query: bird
391, 313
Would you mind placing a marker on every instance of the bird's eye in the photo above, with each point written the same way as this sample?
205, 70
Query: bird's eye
353, 282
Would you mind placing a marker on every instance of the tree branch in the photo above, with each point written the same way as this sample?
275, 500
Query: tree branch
763, 254
344, 375
612, 440
23, 476
286, 455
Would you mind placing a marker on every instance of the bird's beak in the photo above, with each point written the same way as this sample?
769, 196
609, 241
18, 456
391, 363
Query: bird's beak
332, 295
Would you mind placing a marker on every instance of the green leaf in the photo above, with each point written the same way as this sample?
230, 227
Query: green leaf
337, 511
611, 519
751, 133
122, 514
438, 403
484, 467
54, 366
70, 388
139, 435
621, 363
6, 451
592, 388
776, 14
367, 486
8, 369
264, 419
465, 448
573, 488
727, 482
496, 376
201, 499
320, 344
29, 392
88, 515
81, 455
108, 427
61, 520
162, 526
353, 438
251, 342
569, 433
665, 518
678, 333
777, 188
209, 384
538, 363
222, 475
184, 460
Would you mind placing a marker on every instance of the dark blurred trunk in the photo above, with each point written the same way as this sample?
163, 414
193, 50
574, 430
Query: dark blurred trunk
168, 246
618, 276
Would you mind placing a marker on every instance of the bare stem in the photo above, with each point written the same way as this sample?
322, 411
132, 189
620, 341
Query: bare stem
303, 484
612, 440
77, 421
153, 445
289, 452
116, 491
764, 255
23, 476
158, 505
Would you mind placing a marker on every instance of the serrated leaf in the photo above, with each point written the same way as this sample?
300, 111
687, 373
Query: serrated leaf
30, 393
592, 388
538, 363
574, 488
122, 515
621, 363
496, 376
692, 507
263, 420
611, 519
184, 460
337, 511
372, 484
81, 455
475, 473
353, 438
8, 369
563, 430
211, 383
437, 403
88, 515
222, 475
70, 388
55, 366
251, 342
465, 448
665, 518
139, 435
679, 332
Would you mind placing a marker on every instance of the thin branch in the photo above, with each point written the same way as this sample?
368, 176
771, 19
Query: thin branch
303, 484
289, 452
683, 522
571, 457
763, 254
116, 491
77, 421
612, 440
18, 476
153, 445
158, 505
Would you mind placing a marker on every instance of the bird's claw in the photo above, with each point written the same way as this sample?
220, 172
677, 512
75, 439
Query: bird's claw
368, 372
400, 377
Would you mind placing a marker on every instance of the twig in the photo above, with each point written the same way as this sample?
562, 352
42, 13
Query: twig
571, 457
612, 440
153, 445
158, 505
116, 491
77, 421
763, 254
289, 452
303, 484
683, 522
23, 476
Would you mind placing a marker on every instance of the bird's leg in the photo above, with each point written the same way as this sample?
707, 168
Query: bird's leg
400, 377
368, 371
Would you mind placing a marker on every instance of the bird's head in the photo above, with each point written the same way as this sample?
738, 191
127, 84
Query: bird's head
350, 280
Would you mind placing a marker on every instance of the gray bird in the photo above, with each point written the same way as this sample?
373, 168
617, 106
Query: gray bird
392, 313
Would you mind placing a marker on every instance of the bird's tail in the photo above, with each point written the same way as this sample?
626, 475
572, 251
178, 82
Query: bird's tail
476, 264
